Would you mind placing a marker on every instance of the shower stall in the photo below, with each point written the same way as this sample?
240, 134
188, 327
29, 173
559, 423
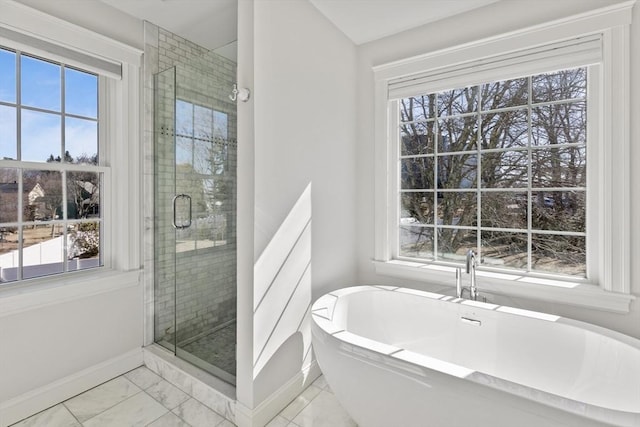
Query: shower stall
195, 151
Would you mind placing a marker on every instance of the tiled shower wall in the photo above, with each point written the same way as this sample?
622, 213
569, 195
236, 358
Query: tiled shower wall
205, 272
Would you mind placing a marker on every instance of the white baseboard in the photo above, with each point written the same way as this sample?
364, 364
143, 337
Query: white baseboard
37, 400
274, 404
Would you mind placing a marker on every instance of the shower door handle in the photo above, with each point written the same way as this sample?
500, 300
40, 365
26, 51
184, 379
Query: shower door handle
173, 222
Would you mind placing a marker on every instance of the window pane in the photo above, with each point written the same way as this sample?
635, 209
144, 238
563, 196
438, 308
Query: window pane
418, 108
559, 124
84, 245
184, 151
43, 250
457, 171
209, 227
416, 242
566, 84
417, 208
559, 210
417, 173
81, 93
81, 140
8, 196
507, 129
220, 125
454, 243
417, 138
504, 210
504, 249
8, 133
7, 76
506, 169
559, 167
41, 139
559, 254
458, 101
457, 209
83, 195
202, 122
40, 84
508, 93
458, 134
8, 254
44, 195
219, 151
184, 118
203, 156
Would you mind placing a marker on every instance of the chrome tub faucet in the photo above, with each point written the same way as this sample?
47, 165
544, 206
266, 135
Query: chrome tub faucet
471, 270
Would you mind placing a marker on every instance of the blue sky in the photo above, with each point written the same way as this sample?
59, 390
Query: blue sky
41, 87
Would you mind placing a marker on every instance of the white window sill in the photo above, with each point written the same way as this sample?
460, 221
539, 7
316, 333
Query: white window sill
46, 291
556, 291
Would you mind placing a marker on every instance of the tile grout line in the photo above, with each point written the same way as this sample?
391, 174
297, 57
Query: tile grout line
105, 410
69, 411
303, 408
95, 387
168, 410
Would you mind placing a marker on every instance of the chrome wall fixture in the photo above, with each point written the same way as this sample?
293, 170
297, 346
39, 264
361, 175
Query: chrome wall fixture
243, 94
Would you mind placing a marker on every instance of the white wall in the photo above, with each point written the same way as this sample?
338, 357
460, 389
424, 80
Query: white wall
494, 19
96, 16
305, 131
60, 341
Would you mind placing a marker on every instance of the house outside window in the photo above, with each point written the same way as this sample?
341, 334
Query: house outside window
50, 176
516, 147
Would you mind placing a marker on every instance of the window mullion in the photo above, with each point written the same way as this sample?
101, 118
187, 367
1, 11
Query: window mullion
19, 157
529, 176
435, 181
479, 175
20, 224
18, 106
63, 119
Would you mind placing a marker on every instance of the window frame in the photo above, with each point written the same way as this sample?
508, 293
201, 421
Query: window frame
608, 208
118, 66
62, 167
479, 190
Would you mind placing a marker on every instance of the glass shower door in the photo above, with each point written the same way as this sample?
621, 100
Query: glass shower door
199, 246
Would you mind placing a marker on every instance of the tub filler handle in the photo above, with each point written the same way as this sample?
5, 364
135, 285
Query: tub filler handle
470, 321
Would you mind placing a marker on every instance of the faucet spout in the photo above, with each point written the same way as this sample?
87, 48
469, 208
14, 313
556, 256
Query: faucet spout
471, 257
471, 270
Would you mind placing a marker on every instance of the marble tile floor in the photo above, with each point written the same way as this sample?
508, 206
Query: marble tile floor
142, 398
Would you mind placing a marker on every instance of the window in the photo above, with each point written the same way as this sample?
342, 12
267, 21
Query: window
50, 178
69, 115
201, 154
517, 147
499, 168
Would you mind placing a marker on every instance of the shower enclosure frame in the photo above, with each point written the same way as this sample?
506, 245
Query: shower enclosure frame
193, 254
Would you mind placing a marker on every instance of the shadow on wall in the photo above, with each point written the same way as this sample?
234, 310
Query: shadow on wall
282, 298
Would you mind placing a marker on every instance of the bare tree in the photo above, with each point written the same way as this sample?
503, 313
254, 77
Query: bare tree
487, 137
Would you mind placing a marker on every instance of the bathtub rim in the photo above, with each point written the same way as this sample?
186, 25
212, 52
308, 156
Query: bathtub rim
322, 312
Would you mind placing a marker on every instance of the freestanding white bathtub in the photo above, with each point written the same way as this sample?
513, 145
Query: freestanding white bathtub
399, 357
